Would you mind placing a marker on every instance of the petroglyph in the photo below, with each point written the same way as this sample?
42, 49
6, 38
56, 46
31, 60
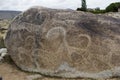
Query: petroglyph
65, 43
55, 32
29, 42
57, 42
24, 51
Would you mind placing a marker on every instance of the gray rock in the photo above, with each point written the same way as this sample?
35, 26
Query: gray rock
65, 43
113, 14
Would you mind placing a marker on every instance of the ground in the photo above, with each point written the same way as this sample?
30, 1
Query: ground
9, 71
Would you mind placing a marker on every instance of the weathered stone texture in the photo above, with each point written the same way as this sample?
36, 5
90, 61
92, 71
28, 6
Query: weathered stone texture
65, 43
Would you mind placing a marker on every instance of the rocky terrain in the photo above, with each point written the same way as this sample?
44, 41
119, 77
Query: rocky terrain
8, 69
113, 14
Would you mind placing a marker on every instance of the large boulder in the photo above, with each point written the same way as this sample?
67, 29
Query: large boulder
65, 43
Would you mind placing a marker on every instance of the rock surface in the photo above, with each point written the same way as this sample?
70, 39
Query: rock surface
113, 14
65, 43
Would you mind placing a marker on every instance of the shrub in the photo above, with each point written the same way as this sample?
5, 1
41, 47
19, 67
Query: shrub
113, 7
2, 45
83, 5
98, 11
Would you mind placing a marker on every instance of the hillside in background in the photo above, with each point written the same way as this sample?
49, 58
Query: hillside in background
8, 14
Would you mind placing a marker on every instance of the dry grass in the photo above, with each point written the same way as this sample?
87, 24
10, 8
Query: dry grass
3, 29
4, 23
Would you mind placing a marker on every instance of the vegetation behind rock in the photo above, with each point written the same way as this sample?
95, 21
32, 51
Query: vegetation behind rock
113, 7
3, 29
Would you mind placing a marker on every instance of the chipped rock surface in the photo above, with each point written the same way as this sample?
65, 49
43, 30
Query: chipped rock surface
65, 43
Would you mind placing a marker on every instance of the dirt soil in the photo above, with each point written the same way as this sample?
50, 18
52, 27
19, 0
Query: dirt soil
9, 71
